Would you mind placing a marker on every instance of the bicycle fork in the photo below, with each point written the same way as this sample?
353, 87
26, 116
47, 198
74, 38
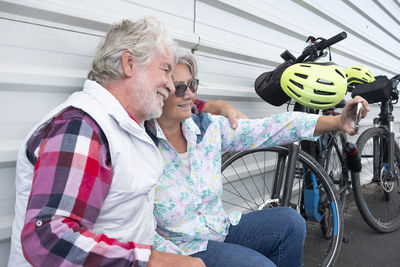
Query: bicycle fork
286, 182
383, 161
290, 174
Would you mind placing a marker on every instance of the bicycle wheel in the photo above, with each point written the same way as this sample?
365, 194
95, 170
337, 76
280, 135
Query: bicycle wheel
332, 162
376, 193
247, 186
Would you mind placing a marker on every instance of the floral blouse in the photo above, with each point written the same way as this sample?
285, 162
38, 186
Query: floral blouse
188, 207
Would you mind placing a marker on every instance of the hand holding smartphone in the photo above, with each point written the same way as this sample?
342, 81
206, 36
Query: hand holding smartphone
358, 117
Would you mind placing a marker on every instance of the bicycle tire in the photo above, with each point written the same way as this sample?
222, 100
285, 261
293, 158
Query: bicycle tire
380, 209
225, 156
248, 177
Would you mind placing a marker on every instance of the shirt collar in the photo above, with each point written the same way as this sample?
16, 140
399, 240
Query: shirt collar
130, 115
112, 106
189, 128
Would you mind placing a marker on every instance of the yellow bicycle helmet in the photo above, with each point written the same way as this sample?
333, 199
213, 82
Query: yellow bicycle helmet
314, 84
357, 74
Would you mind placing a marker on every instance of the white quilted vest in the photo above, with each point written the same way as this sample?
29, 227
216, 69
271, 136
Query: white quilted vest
127, 212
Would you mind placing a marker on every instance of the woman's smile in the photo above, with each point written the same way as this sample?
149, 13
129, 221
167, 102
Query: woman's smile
185, 106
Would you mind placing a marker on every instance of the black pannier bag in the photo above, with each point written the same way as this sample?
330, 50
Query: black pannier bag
268, 86
377, 91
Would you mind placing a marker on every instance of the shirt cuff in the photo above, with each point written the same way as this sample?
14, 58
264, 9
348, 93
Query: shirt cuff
142, 252
310, 122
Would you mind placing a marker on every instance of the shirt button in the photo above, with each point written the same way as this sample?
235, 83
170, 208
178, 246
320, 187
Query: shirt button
199, 213
39, 223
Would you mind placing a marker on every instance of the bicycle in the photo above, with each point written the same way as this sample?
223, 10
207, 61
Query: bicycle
376, 190
372, 195
288, 176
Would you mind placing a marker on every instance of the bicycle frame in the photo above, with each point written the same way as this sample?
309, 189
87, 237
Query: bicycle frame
310, 196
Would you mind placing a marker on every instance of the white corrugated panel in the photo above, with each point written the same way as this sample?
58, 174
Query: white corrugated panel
46, 47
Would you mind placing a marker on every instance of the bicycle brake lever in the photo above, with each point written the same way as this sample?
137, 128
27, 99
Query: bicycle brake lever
358, 117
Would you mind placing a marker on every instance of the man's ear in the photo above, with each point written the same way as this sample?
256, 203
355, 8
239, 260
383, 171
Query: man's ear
127, 63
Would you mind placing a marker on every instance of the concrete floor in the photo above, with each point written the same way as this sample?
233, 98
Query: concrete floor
365, 247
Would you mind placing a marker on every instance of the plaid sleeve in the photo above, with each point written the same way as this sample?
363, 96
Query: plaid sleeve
72, 177
198, 106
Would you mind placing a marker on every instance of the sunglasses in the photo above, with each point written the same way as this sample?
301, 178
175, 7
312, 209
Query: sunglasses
180, 88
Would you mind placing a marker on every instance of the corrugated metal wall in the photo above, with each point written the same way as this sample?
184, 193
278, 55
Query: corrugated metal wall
46, 47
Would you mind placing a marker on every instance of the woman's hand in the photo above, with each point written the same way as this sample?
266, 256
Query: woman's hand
348, 114
343, 122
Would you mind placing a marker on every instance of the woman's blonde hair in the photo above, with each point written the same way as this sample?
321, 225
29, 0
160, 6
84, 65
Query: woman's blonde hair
190, 61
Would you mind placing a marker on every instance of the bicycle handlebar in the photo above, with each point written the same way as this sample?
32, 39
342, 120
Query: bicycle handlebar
331, 41
314, 51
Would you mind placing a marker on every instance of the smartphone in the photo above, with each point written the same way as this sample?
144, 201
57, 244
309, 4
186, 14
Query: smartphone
358, 117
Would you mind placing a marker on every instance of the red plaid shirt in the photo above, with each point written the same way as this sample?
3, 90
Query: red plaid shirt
60, 212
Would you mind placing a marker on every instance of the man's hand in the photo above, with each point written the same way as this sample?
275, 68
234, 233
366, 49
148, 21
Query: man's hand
233, 114
220, 107
348, 114
163, 259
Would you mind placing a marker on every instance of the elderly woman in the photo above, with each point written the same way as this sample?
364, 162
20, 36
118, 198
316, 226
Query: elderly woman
188, 209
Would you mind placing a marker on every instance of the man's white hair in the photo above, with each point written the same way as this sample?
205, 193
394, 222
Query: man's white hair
143, 38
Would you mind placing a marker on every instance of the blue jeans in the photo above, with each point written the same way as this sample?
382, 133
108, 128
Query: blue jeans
270, 237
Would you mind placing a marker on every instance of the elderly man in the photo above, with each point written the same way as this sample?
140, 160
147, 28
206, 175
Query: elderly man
86, 173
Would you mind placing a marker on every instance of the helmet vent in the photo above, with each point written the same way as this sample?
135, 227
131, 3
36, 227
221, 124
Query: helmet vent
340, 73
324, 82
303, 76
368, 74
294, 92
319, 92
356, 68
297, 84
320, 103
306, 66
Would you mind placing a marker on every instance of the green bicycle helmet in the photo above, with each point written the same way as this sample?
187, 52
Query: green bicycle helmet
357, 74
314, 84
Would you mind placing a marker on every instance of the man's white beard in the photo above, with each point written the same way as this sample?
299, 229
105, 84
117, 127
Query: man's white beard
155, 111
149, 105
